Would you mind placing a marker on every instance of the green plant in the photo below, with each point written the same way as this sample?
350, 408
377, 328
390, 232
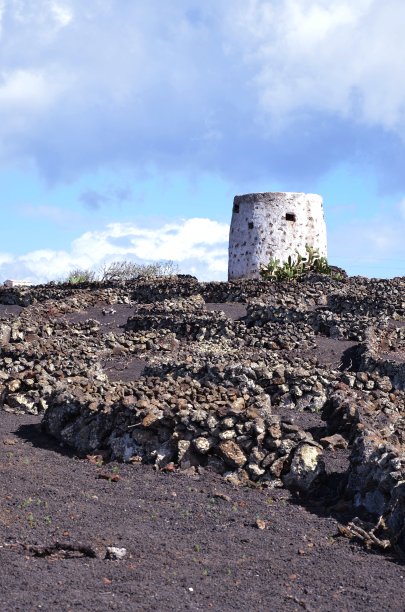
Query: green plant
275, 270
31, 520
271, 269
296, 267
78, 275
315, 262
26, 502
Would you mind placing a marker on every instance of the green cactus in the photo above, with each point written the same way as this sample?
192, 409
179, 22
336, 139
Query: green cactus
296, 267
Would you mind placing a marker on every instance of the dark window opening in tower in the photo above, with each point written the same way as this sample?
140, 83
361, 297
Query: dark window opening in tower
290, 217
250, 226
236, 208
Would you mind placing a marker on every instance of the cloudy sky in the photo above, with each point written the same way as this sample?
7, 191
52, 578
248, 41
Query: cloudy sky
126, 128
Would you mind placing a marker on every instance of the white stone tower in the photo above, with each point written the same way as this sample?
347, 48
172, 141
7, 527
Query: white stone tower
273, 225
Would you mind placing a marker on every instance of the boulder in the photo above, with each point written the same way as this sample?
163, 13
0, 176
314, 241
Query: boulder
306, 467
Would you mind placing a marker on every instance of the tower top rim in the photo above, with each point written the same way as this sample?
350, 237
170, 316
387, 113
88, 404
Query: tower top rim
278, 194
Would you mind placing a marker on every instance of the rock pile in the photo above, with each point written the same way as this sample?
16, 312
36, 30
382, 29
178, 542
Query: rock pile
229, 371
187, 423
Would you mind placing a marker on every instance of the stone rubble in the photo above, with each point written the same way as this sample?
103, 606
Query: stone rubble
220, 392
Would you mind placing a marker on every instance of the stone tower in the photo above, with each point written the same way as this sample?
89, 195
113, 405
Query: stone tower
273, 225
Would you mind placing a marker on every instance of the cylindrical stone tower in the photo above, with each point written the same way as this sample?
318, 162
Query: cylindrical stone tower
273, 225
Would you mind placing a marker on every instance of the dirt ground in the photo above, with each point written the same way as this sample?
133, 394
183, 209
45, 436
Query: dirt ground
193, 543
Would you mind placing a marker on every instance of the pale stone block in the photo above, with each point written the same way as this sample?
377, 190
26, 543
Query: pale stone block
17, 283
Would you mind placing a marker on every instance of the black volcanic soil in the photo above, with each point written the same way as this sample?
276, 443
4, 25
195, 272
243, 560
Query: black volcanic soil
329, 351
192, 542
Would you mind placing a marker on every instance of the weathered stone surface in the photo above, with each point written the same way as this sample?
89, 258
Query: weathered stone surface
21, 403
335, 441
273, 225
114, 552
5, 334
378, 468
306, 466
202, 445
232, 454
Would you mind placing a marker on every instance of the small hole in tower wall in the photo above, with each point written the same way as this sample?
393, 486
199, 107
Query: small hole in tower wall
290, 217
250, 226
236, 208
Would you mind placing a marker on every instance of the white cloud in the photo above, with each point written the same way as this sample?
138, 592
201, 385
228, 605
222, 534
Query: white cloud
180, 84
5, 258
339, 56
24, 89
25, 97
62, 13
373, 247
199, 246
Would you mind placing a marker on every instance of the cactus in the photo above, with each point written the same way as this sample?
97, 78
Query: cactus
296, 267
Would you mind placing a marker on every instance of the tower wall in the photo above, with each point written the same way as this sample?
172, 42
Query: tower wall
273, 225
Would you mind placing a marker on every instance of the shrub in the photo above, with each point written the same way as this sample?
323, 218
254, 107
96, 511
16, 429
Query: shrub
127, 270
80, 276
295, 268
121, 270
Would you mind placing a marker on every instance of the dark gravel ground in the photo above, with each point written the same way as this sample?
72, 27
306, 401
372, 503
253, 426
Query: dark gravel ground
9, 312
329, 351
192, 542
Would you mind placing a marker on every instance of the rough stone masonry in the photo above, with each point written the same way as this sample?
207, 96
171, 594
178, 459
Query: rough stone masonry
273, 225
265, 395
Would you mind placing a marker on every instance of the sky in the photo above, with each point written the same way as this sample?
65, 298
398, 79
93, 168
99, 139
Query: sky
127, 127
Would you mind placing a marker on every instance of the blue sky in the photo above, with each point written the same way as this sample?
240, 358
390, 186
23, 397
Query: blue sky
126, 128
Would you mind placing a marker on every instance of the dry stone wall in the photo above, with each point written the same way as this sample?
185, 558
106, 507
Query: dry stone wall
243, 396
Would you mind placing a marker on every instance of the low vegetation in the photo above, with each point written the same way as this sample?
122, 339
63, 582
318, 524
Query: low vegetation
127, 270
295, 267
122, 270
79, 275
